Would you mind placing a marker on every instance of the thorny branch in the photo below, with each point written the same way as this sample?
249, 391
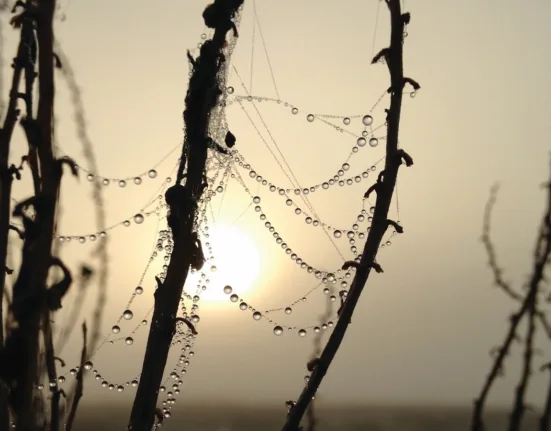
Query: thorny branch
528, 308
384, 189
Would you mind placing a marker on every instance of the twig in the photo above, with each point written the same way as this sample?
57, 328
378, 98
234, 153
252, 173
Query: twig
6, 177
495, 268
545, 419
527, 308
80, 381
385, 189
201, 99
101, 251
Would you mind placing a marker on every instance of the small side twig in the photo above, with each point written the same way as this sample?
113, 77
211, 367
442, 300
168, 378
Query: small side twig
80, 383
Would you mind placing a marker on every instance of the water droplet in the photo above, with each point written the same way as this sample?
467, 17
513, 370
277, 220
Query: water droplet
288, 310
373, 142
278, 330
256, 199
302, 332
257, 315
310, 117
367, 120
134, 383
361, 141
294, 111
138, 290
234, 298
243, 306
219, 189
138, 219
116, 329
73, 372
127, 315
82, 240
120, 388
152, 173
88, 365
129, 340
337, 233
105, 182
289, 202
413, 93
138, 180
308, 220
126, 223
90, 177
230, 90
228, 289
122, 183
346, 121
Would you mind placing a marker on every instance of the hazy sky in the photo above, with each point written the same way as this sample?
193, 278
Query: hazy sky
423, 329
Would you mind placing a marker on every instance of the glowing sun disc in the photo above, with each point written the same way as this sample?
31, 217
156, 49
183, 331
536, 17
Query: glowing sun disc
237, 263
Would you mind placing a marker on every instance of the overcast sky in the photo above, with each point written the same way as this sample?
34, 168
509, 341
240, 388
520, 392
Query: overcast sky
422, 330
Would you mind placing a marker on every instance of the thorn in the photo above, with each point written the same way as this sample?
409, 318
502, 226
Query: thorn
378, 269
395, 225
350, 264
383, 54
371, 189
412, 82
402, 155
57, 61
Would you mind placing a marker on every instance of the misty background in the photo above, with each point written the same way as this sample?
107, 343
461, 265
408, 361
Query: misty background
422, 330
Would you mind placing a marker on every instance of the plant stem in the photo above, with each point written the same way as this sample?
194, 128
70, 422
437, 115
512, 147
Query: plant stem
199, 104
380, 218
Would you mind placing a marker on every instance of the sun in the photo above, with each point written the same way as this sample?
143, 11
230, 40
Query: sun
237, 262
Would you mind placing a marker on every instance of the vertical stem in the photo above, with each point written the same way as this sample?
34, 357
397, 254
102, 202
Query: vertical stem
199, 105
385, 190
545, 419
519, 407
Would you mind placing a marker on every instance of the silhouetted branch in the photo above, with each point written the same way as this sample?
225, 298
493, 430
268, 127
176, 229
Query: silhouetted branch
528, 308
201, 99
545, 419
386, 183
80, 381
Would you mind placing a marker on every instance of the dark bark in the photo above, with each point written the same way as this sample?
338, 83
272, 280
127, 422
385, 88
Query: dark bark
384, 189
